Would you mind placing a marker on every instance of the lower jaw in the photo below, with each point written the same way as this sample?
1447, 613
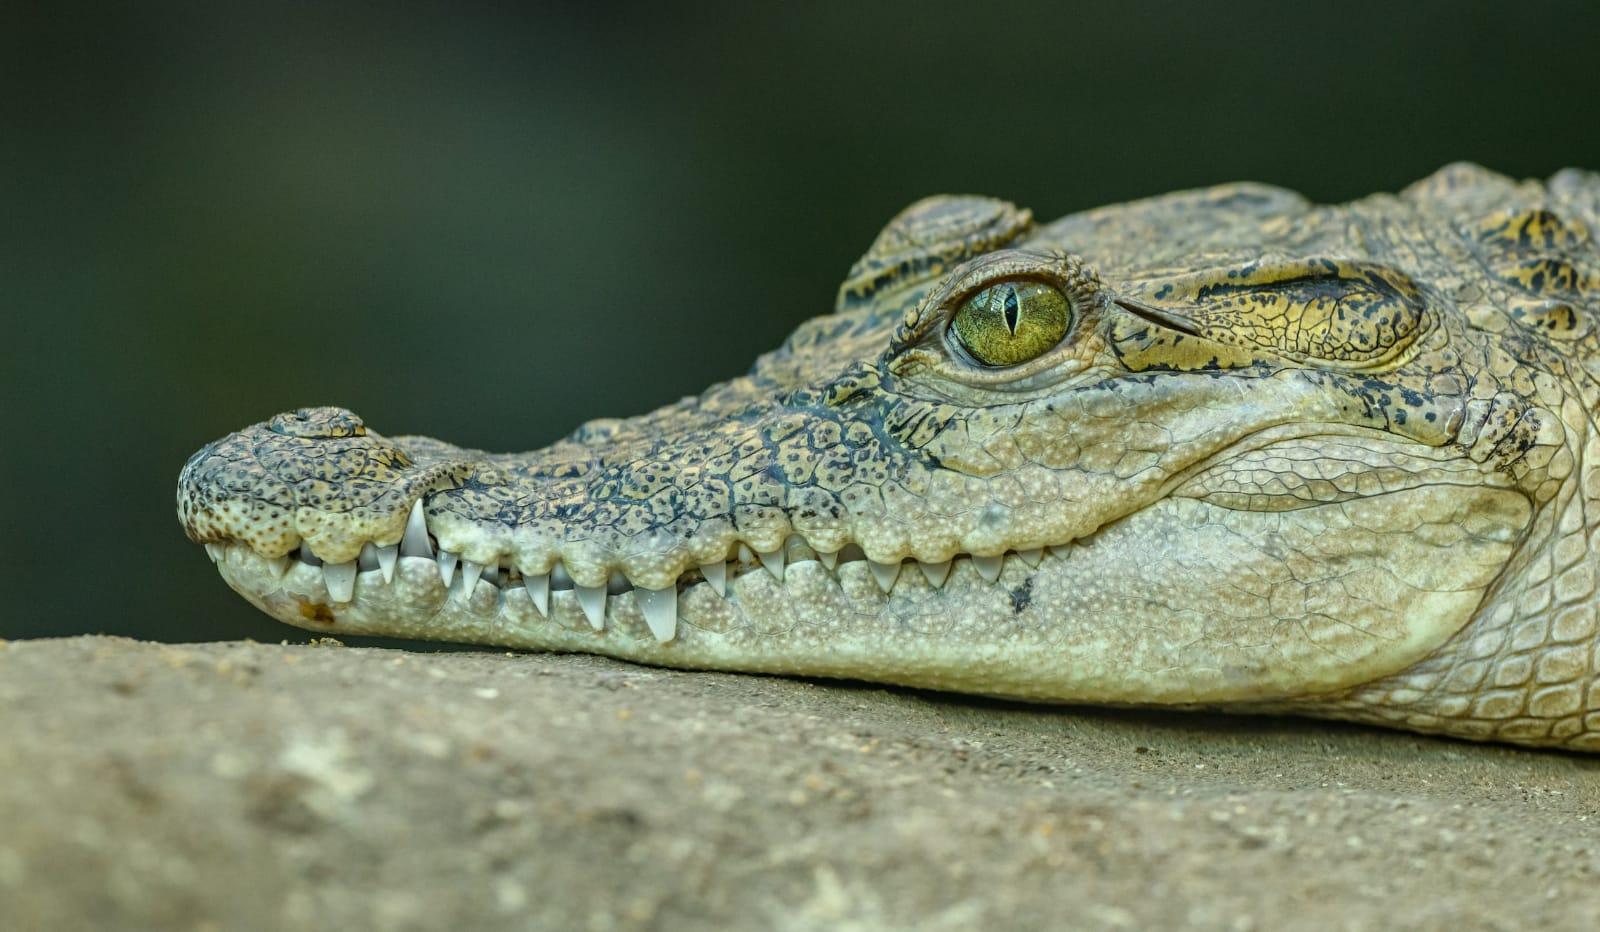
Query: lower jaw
1185, 602
816, 621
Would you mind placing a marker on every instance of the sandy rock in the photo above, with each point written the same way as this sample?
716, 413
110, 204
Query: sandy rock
251, 786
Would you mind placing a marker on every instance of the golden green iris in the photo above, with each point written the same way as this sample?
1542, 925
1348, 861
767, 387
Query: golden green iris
1012, 322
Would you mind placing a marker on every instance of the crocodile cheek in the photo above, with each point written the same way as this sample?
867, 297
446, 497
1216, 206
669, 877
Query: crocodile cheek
1192, 602
1184, 602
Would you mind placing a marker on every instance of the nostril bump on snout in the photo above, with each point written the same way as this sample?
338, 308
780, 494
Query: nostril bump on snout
318, 424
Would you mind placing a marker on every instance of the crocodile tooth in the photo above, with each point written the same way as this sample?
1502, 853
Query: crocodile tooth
745, 555
307, 557
559, 578
1031, 557
538, 587
989, 567
368, 558
830, 560
618, 583
447, 566
470, 572
340, 579
660, 608
773, 561
885, 574
592, 599
279, 565
387, 558
717, 575
415, 542
216, 552
935, 573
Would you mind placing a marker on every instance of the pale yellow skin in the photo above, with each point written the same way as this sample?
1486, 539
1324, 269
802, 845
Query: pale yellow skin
1331, 460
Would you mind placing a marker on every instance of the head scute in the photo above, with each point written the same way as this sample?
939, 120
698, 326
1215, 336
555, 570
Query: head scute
324, 423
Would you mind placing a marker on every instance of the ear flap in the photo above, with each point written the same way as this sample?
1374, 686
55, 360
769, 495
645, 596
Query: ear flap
929, 238
1333, 313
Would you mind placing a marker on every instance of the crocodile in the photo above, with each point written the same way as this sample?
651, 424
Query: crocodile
1223, 448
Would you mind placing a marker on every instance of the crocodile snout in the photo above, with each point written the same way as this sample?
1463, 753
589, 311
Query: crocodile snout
314, 476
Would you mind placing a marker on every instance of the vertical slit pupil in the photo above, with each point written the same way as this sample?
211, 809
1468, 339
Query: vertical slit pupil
1011, 312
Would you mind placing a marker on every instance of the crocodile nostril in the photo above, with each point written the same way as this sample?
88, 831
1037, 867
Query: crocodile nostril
318, 424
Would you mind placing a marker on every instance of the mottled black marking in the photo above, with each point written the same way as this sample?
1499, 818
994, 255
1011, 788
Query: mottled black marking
1022, 596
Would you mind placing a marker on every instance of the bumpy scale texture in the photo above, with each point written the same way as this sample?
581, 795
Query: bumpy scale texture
1334, 460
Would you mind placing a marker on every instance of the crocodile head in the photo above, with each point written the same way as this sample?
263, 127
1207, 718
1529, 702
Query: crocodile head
1218, 447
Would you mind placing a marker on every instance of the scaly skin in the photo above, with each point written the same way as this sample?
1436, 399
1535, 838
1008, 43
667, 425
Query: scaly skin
1334, 460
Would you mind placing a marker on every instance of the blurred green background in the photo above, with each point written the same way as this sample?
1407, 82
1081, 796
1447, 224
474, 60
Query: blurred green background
489, 223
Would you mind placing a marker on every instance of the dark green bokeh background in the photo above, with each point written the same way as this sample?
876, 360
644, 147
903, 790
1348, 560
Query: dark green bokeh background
491, 223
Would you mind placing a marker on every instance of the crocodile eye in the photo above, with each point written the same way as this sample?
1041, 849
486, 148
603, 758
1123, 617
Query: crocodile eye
1012, 322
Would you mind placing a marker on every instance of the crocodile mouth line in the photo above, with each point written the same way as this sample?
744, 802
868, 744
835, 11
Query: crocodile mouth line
377, 565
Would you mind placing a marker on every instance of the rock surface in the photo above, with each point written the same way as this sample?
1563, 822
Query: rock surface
252, 786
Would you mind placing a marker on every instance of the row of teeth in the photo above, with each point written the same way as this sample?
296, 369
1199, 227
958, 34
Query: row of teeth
659, 606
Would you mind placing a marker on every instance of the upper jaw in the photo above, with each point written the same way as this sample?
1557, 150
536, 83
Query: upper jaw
669, 500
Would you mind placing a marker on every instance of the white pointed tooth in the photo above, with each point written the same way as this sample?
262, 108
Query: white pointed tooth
935, 573
340, 579
470, 572
559, 578
216, 552
368, 558
773, 561
415, 542
717, 575
387, 558
660, 608
592, 599
1031, 557
885, 574
745, 555
830, 560
278, 565
538, 591
447, 566
989, 567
